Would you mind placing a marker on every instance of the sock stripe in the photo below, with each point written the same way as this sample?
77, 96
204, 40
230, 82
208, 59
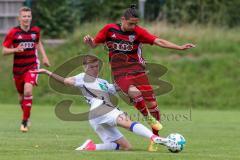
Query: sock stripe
132, 125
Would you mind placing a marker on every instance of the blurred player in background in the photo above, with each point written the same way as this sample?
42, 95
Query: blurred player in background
23, 42
104, 116
124, 43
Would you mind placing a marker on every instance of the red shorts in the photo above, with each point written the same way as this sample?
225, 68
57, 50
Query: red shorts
27, 77
140, 81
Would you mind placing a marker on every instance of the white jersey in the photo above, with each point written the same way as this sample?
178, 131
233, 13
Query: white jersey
96, 90
103, 120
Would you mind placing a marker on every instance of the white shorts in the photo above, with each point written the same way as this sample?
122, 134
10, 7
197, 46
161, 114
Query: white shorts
106, 126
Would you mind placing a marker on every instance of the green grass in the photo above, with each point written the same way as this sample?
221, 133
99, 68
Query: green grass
210, 134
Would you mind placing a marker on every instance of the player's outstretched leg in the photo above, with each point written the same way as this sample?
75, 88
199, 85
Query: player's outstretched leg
139, 103
89, 145
139, 129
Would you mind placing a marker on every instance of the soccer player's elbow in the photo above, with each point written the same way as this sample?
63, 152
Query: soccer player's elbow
68, 82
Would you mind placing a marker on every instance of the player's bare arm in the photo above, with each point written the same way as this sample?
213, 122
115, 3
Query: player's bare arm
45, 60
90, 41
8, 51
166, 44
70, 81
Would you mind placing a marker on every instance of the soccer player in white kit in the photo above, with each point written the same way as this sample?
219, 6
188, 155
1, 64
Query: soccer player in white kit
104, 117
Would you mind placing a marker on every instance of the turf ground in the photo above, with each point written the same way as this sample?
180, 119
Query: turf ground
210, 134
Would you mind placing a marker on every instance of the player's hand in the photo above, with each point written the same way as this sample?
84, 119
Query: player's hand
39, 71
46, 62
89, 40
187, 46
19, 48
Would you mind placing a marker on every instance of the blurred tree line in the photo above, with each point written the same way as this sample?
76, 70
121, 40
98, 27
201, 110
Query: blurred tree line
60, 17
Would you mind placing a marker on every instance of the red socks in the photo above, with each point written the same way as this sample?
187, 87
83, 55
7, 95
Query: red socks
140, 105
154, 111
26, 106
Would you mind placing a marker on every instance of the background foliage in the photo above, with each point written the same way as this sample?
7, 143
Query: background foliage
61, 17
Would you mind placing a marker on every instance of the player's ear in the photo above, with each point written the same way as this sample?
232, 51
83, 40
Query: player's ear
123, 18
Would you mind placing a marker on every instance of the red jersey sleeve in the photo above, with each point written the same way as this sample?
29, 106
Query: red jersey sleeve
8, 41
38, 35
144, 36
102, 34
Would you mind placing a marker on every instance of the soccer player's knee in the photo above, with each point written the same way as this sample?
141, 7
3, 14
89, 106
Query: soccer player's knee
134, 91
151, 104
28, 93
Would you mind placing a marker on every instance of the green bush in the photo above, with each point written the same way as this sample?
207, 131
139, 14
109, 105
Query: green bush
60, 18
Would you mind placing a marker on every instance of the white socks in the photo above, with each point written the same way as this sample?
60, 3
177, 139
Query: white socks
107, 146
141, 130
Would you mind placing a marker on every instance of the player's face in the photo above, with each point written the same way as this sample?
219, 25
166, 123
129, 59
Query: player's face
92, 69
25, 18
129, 24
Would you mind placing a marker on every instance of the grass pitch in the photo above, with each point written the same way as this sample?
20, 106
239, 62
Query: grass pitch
210, 134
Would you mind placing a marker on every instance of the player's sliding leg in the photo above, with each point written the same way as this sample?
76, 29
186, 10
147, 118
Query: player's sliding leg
89, 145
139, 129
26, 105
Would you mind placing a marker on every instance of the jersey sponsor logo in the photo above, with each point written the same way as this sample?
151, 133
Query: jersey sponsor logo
131, 38
122, 46
26, 45
33, 36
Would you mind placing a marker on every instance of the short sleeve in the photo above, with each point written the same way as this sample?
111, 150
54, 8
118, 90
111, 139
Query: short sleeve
79, 80
8, 41
102, 35
38, 33
145, 36
111, 88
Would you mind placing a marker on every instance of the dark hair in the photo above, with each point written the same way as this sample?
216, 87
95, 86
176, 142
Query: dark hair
131, 12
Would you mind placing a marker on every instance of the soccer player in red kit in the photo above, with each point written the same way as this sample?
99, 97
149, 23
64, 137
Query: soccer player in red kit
125, 55
23, 42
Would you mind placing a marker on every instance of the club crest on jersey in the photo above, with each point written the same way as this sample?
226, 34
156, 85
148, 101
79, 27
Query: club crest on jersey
103, 86
33, 36
131, 38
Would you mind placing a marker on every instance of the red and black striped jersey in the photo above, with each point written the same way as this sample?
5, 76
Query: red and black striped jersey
124, 47
28, 59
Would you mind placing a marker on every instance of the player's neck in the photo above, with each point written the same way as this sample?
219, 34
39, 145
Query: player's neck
25, 28
121, 26
90, 77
